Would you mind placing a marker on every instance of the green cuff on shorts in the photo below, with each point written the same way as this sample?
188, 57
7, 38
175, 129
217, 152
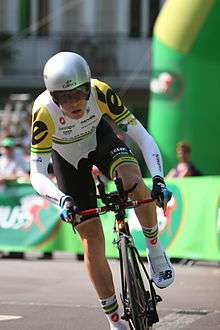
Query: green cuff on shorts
120, 160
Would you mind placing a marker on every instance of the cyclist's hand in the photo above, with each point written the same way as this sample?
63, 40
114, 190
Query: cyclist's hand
68, 209
160, 192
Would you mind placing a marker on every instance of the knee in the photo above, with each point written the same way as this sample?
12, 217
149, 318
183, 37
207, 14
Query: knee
136, 186
91, 231
131, 180
140, 190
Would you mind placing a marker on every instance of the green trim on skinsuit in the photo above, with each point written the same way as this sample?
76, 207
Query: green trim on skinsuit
120, 160
122, 117
60, 141
37, 151
40, 149
111, 308
40, 153
188, 18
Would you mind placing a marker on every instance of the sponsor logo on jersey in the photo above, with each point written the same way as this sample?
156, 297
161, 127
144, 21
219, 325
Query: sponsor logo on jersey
87, 119
119, 151
62, 121
40, 132
66, 130
112, 100
66, 127
153, 241
115, 317
36, 159
89, 124
132, 121
157, 156
123, 127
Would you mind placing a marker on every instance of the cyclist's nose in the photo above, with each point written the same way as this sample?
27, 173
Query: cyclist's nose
72, 99
71, 105
71, 102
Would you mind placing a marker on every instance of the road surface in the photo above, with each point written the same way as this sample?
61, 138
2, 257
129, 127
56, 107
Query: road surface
56, 294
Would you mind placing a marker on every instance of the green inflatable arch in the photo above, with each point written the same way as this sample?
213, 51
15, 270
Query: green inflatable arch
185, 84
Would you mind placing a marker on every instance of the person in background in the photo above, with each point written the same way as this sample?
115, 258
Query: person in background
11, 168
184, 167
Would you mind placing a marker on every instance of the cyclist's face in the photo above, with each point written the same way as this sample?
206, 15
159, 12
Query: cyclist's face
74, 109
73, 102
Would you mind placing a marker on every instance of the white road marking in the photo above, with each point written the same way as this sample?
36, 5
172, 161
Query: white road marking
9, 317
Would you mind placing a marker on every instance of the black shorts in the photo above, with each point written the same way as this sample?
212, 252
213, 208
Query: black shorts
79, 183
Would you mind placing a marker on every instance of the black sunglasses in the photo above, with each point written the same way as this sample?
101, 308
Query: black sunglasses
79, 93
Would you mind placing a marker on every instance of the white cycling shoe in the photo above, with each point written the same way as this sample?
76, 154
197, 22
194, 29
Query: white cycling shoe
161, 269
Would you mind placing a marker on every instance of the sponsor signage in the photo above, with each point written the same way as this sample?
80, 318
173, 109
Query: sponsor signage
190, 229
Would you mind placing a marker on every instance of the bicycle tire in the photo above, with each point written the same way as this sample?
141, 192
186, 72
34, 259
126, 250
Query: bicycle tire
136, 294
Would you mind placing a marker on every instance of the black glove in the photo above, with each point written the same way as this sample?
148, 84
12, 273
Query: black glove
68, 209
160, 192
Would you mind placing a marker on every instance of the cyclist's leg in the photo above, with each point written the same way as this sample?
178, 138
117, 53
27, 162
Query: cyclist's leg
98, 269
80, 185
92, 238
113, 155
131, 175
161, 269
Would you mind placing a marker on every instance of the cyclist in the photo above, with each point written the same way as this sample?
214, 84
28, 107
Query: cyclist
69, 125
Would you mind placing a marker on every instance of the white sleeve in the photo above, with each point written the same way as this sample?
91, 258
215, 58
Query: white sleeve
148, 147
40, 179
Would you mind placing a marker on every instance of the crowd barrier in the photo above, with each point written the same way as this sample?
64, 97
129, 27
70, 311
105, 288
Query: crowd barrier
190, 229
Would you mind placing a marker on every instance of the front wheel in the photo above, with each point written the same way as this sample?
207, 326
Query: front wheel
134, 294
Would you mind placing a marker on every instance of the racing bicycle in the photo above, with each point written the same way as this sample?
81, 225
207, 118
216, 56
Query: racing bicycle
138, 295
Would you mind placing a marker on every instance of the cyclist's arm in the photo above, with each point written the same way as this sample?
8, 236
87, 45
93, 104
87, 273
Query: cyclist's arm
147, 145
41, 181
111, 104
42, 132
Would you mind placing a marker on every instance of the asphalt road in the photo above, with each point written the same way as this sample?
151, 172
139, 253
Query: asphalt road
56, 294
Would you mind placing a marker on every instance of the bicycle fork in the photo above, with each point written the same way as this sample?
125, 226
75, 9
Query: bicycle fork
151, 297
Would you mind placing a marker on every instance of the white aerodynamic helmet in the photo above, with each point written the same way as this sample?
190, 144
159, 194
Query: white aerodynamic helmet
66, 71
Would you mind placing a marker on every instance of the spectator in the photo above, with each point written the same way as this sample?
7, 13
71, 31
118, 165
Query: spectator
11, 168
184, 167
